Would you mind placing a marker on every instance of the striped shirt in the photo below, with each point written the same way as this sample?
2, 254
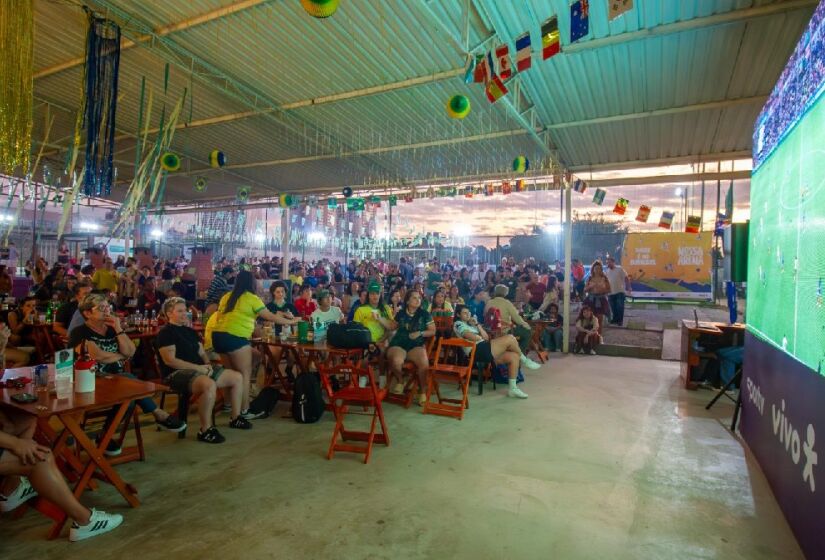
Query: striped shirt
217, 289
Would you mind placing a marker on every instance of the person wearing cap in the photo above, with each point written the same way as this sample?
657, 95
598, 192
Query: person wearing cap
375, 315
511, 322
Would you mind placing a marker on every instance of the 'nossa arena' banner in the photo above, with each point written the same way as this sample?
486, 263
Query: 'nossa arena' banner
669, 265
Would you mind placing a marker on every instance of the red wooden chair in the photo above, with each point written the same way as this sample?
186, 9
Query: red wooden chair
443, 326
450, 366
352, 399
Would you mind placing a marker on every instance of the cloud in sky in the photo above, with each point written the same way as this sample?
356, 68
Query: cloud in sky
505, 216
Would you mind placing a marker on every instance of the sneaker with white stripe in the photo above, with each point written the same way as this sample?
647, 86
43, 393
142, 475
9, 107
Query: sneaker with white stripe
99, 522
23, 493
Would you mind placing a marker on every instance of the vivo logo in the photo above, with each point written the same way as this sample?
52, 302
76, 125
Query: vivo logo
790, 437
756, 396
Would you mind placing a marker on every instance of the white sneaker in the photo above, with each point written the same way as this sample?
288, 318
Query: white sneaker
23, 493
100, 522
592, 352
528, 363
517, 393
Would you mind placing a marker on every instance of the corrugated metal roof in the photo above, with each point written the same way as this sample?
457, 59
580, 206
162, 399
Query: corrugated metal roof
237, 56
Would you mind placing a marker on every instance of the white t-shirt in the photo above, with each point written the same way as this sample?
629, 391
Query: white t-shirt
616, 277
332, 315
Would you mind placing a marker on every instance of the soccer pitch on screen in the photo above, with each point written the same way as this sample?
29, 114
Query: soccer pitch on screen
786, 260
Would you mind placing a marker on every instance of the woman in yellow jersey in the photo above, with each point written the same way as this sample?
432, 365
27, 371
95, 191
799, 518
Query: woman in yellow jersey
233, 328
377, 317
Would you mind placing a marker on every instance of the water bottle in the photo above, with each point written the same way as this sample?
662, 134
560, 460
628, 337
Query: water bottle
189, 318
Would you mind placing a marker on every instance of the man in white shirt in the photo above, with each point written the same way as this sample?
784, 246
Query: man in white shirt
619, 287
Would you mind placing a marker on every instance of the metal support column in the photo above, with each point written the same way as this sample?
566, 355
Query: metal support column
568, 256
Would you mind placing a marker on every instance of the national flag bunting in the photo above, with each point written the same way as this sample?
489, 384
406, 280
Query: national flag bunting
520, 187
488, 189
618, 7
643, 213
470, 69
550, 38
506, 188
505, 68
332, 203
693, 225
479, 71
621, 206
489, 67
524, 54
579, 186
495, 89
666, 220
579, 20
599, 195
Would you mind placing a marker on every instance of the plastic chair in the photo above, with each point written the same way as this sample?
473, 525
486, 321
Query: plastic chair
449, 367
352, 399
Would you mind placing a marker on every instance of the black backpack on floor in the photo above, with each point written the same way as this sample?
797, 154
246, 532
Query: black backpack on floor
307, 402
265, 401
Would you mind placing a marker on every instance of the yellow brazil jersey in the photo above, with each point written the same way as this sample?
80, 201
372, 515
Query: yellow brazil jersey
241, 320
364, 316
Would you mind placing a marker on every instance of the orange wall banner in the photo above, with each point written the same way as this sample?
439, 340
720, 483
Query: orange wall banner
669, 265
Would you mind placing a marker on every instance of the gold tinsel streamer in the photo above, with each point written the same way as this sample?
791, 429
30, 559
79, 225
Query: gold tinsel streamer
16, 46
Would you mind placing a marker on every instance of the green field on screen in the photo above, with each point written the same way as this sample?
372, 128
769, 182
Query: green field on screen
786, 261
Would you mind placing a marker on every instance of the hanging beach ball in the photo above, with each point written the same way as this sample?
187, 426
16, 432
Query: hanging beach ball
320, 8
243, 194
200, 184
458, 107
217, 159
170, 161
347, 192
521, 164
284, 200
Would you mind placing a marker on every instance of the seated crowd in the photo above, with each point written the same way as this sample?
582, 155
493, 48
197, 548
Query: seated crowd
401, 305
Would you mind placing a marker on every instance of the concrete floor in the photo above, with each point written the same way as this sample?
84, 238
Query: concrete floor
608, 458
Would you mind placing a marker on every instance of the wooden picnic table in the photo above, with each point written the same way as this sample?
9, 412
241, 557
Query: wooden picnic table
111, 391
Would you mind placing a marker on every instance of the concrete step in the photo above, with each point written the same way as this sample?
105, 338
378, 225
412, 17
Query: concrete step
624, 351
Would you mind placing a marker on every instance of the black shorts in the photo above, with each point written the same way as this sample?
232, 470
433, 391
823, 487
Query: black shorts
224, 343
484, 354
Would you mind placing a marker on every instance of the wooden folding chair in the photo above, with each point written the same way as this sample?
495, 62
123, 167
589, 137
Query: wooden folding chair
443, 326
365, 401
449, 367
